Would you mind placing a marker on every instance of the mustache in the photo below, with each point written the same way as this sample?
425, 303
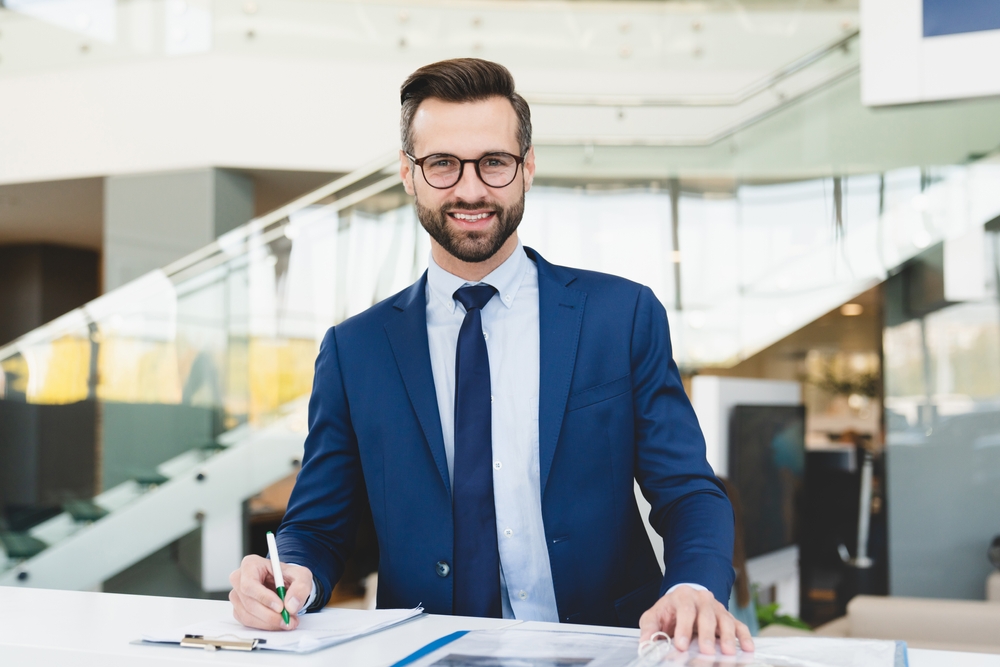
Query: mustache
470, 206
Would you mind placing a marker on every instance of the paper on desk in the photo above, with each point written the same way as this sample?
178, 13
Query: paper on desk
538, 648
320, 630
531, 648
790, 652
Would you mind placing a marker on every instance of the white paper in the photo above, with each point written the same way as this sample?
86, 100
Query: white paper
315, 631
785, 652
533, 648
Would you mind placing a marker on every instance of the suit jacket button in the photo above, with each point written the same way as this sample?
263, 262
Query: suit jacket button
442, 568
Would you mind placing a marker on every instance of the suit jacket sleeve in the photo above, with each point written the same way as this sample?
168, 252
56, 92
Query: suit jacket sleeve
690, 509
321, 522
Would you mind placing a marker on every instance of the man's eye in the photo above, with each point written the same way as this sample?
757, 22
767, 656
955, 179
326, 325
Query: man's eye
442, 163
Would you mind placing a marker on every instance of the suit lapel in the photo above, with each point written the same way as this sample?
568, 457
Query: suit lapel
408, 337
560, 316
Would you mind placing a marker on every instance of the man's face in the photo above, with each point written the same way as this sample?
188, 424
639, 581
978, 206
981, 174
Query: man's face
470, 220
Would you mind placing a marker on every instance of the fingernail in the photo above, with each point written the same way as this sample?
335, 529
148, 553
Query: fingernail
276, 607
292, 605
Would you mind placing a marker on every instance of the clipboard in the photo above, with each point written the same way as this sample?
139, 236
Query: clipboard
220, 644
326, 628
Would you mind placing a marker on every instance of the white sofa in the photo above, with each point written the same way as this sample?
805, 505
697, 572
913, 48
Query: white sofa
950, 625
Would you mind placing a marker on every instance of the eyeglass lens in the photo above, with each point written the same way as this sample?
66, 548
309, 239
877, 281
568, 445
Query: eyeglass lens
496, 170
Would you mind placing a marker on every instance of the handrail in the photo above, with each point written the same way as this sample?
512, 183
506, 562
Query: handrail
243, 232
629, 101
698, 141
72, 320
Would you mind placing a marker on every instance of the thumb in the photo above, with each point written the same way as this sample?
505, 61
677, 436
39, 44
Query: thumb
298, 590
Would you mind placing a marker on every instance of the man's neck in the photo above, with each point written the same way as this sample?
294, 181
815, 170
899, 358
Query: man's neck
472, 272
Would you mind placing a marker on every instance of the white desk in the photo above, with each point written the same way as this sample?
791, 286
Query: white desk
45, 627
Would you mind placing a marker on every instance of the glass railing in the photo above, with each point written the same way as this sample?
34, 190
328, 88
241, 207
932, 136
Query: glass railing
752, 263
118, 397
152, 373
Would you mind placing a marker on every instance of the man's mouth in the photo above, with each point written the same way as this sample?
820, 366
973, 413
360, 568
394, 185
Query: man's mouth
472, 218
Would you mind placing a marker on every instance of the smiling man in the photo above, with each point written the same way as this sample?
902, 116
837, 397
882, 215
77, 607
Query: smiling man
496, 414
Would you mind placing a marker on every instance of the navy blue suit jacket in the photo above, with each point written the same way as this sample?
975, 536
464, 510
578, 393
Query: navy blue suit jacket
611, 408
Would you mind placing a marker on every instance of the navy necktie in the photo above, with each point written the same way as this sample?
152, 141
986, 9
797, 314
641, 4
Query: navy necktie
476, 558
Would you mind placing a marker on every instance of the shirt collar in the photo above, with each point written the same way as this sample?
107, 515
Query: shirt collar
506, 278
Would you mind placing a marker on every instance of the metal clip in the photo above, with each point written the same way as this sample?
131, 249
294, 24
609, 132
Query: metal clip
218, 643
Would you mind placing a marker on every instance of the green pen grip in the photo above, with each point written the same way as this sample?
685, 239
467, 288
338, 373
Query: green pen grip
284, 612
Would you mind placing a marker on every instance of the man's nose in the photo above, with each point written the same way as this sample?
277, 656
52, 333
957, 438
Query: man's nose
469, 186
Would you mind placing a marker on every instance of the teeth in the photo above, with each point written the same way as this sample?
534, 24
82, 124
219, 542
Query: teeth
471, 218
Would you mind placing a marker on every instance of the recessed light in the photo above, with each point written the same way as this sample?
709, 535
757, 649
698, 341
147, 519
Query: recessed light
851, 309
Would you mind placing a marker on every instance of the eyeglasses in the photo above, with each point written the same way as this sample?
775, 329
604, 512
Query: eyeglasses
443, 171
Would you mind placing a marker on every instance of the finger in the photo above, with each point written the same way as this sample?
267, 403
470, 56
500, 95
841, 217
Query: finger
652, 622
255, 616
684, 625
299, 584
241, 614
743, 634
252, 588
707, 622
727, 633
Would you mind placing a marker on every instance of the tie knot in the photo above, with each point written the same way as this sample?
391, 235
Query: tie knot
474, 296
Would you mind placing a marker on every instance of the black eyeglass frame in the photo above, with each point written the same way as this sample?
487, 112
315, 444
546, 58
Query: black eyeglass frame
419, 162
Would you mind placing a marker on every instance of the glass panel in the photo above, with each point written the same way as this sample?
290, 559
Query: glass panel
176, 367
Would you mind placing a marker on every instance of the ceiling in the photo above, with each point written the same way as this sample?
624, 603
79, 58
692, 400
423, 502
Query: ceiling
71, 212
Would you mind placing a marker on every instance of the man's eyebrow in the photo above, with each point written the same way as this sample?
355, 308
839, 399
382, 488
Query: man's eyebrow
489, 152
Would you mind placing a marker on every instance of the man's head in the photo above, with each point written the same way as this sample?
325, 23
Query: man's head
467, 109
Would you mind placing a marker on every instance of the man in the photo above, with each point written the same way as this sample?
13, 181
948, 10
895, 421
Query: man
495, 414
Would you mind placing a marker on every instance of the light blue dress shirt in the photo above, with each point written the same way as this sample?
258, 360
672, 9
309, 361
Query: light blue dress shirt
510, 326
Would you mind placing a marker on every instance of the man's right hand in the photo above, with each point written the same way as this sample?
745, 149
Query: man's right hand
255, 604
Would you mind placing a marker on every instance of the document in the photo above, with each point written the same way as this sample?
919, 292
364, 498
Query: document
320, 630
536, 648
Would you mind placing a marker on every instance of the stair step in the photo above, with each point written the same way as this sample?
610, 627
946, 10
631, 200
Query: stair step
84, 510
151, 478
21, 545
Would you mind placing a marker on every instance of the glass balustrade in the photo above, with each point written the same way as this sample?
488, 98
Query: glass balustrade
112, 399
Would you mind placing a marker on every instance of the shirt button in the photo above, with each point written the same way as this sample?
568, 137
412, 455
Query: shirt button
497, 465
523, 595
486, 335
507, 298
508, 532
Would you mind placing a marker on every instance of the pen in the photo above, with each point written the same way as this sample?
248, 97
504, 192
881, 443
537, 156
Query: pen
279, 581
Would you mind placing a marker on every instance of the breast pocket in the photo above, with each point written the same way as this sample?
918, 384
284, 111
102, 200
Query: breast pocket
598, 393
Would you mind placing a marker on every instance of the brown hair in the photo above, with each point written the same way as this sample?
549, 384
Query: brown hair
462, 80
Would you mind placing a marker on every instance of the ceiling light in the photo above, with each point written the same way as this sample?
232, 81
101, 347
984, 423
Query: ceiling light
851, 309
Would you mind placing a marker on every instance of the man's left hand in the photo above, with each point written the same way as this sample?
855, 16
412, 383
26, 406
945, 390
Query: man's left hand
685, 611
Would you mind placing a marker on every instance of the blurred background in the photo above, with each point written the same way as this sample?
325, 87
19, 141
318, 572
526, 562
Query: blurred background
193, 191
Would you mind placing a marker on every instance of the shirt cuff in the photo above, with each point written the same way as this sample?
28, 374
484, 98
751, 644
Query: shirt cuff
697, 587
309, 602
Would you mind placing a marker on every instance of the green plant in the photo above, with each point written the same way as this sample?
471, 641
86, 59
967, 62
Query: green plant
768, 614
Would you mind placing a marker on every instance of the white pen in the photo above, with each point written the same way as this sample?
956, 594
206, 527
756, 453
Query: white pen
279, 581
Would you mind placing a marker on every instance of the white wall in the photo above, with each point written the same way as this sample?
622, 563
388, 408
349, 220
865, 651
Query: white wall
901, 66
714, 398
198, 111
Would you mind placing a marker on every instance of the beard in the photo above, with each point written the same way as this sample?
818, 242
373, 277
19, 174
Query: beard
471, 246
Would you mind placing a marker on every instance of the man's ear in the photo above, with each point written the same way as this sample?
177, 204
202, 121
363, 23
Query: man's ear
529, 168
406, 173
